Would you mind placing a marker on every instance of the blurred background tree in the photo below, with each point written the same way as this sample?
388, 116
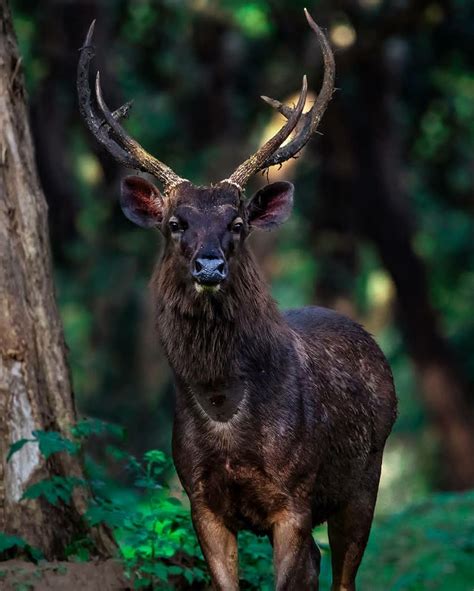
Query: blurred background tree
384, 222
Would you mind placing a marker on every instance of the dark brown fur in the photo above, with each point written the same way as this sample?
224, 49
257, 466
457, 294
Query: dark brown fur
310, 402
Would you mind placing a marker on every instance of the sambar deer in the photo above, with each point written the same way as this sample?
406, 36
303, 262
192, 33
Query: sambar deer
281, 418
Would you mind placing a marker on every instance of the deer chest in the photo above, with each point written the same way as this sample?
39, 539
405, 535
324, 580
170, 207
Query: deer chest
219, 402
242, 493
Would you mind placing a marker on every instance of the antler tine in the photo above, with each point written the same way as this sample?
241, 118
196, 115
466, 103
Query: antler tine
144, 160
94, 123
123, 111
106, 128
256, 161
309, 121
285, 110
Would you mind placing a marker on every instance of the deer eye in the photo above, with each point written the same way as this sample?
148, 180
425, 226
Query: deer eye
174, 226
237, 225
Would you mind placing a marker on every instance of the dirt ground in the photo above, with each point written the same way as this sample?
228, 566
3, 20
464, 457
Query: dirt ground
18, 575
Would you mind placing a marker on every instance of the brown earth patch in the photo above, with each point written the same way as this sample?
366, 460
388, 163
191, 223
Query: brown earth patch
18, 575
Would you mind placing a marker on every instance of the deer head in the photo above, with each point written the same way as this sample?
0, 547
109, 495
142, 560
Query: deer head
204, 227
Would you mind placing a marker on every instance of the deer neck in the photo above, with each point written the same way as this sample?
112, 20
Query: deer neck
212, 339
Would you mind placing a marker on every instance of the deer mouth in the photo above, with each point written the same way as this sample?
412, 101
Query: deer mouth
206, 287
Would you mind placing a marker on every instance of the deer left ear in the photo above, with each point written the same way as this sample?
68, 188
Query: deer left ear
271, 205
141, 202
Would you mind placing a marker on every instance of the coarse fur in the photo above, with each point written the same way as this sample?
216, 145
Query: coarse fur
279, 418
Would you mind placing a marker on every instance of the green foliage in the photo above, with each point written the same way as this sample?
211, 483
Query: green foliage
155, 534
16, 543
152, 524
7, 542
49, 443
88, 427
80, 550
16, 446
255, 559
253, 18
427, 546
57, 488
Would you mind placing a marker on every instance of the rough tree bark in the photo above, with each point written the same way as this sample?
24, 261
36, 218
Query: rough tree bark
35, 388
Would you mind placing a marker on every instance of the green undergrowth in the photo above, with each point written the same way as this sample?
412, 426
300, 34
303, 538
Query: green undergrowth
429, 546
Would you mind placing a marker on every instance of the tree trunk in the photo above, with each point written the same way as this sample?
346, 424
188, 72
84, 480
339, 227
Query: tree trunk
35, 388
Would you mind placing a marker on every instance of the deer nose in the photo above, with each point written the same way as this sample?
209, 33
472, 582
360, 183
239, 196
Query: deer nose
209, 270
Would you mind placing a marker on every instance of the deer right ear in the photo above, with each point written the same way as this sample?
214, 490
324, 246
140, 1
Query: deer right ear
141, 202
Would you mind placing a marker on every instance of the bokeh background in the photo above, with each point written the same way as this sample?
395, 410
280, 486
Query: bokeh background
383, 227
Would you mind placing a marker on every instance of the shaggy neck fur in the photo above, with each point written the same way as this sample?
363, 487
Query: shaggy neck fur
210, 338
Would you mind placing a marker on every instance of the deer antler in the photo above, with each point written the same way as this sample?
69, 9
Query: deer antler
105, 125
309, 121
306, 124
240, 176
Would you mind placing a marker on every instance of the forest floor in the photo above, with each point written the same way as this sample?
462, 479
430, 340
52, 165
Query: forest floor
19, 575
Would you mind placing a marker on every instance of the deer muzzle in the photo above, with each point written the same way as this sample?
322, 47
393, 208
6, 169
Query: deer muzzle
209, 271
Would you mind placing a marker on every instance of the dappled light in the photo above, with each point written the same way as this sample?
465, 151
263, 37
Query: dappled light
343, 35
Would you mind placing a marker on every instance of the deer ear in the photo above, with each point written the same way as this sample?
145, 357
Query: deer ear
271, 205
141, 202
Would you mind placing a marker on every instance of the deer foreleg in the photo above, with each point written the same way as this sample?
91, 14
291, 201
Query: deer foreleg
296, 556
219, 546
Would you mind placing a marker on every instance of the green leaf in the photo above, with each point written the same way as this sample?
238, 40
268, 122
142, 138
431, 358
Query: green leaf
111, 516
57, 488
117, 453
157, 569
133, 465
35, 553
8, 542
80, 549
145, 482
140, 583
14, 447
23, 586
88, 427
155, 456
51, 442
